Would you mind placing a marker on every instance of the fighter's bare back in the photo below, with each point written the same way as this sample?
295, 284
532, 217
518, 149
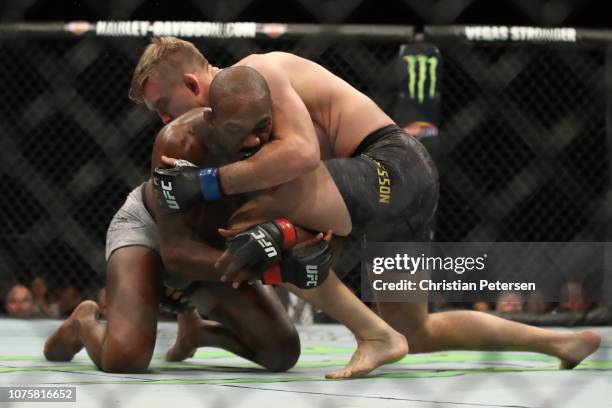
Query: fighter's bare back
346, 115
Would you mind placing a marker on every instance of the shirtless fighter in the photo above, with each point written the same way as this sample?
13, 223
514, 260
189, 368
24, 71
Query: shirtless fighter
372, 332
172, 76
136, 282
190, 136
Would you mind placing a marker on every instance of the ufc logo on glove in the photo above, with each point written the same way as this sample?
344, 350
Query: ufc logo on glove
266, 245
312, 274
167, 193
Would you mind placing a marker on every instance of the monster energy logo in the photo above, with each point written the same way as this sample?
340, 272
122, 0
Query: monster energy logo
421, 66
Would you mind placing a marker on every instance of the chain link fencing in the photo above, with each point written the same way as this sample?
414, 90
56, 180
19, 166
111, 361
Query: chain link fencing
523, 147
522, 152
74, 145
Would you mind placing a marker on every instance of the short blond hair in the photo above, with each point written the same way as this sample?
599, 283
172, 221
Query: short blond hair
172, 51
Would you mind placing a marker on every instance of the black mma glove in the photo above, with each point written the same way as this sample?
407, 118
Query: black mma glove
261, 246
181, 186
306, 267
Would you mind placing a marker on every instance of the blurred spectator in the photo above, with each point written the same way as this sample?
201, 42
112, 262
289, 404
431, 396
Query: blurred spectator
481, 305
438, 302
509, 302
42, 303
68, 299
535, 303
19, 302
572, 298
101, 299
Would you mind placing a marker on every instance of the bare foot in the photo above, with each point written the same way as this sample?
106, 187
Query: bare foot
64, 343
372, 353
580, 346
194, 332
185, 345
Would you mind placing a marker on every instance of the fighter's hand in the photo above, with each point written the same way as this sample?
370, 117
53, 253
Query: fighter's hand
243, 275
178, 187
168, 161
226, 261
315, 240
229, 233
183, 184
256, 249
307, 265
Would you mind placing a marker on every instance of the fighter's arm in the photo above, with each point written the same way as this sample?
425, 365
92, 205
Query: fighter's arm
294, 148
303, 265
182, 250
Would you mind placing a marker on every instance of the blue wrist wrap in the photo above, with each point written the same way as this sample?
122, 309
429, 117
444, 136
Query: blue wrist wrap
209, 183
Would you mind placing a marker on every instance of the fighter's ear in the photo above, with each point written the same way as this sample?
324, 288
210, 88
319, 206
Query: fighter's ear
192, 83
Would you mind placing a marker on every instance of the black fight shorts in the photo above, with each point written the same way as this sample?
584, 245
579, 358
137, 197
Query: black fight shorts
390, 187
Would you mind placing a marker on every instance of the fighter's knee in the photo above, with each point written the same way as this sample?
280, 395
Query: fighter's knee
125, 363
282, 351
128, 355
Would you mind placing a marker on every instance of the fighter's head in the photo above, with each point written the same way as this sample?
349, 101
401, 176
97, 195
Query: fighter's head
241, 109
171, 77
191, 124
188, 128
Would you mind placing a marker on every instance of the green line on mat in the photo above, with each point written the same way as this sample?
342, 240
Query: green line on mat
67, 368
399, 375
456, 356
210, 353
408, 373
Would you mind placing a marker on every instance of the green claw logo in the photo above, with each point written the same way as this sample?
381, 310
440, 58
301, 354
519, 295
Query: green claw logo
420, 67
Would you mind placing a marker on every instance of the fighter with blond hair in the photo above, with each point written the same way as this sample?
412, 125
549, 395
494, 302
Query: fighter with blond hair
380, 175
246, 321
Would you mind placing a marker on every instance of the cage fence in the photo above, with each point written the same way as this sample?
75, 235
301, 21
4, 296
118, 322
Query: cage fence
523, 149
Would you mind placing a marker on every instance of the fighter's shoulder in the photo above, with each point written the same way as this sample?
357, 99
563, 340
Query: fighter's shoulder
178, 134
266, 58
173, 141
272, 64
